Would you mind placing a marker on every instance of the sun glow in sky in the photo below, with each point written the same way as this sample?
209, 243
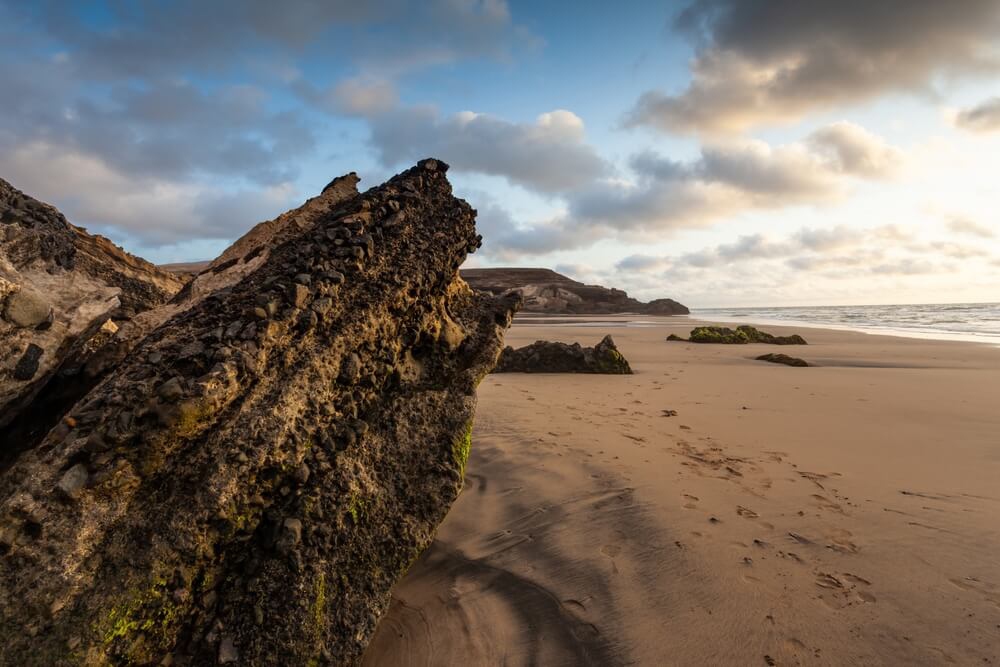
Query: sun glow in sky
719, 152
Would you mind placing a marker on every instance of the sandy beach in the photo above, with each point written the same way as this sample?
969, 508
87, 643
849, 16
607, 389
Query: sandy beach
845, 514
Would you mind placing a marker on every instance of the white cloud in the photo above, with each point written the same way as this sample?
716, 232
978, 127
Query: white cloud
550, 155
727, 180
153, 211
971, 228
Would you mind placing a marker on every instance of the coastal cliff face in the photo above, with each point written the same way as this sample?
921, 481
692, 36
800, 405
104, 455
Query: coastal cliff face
545, 291
248, 485
63, 295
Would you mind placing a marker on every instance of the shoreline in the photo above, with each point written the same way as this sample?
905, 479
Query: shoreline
697, 320
841, 514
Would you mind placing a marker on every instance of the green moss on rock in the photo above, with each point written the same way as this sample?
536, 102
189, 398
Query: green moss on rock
461, 447
740, 336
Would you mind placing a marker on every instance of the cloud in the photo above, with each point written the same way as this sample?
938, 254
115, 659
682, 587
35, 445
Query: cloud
840, 253
854, 150
361, 98
549, 155
970, 228
984, 117
181, 109
93, 194
770, 62
738, 176
726, 180
155, 39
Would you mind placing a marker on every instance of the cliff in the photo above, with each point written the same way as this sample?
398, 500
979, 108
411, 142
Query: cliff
545, 291
245, 488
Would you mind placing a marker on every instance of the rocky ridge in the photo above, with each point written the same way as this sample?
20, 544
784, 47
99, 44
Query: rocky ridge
248, 484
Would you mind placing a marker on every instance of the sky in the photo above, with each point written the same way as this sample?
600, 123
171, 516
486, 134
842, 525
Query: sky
718, 152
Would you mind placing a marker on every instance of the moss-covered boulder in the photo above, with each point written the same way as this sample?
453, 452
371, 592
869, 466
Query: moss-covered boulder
247, 486
742, 335
548, 357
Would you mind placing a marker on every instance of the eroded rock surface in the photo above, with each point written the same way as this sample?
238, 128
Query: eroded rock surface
243, 257
247, 486
547, 357
741, 335
61, 290
545, 291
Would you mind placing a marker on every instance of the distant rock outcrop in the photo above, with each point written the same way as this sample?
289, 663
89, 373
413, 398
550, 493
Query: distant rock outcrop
783, 359
63, 295
546, 357
245, 487
546, 291
742, 335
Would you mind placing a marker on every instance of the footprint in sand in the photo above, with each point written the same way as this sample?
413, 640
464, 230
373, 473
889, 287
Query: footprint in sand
610, 550
574, 605
840, 541
825, 503
746, 512
691, 500
828, 581
814, 477
844, 591
990, 592
791, 555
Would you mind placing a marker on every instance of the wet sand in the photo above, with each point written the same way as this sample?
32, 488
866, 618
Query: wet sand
846, 514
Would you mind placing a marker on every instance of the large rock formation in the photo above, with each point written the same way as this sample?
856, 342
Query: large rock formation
63, 295
548, 357
87, 357
247, 486
546, 291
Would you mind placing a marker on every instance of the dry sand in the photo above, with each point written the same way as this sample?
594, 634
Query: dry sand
847, 514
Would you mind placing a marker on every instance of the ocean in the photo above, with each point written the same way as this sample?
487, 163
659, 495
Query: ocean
978, 322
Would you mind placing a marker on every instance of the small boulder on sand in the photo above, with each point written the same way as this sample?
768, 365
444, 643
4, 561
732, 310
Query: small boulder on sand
783, 359
740, 336
547, 357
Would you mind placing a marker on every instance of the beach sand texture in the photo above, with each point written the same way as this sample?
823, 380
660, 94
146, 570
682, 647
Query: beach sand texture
846, 514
